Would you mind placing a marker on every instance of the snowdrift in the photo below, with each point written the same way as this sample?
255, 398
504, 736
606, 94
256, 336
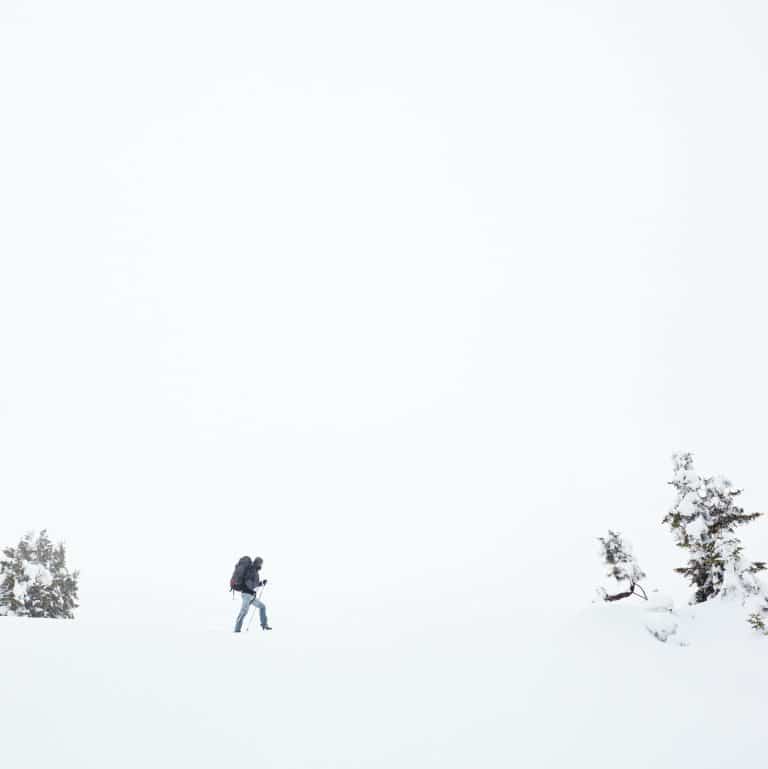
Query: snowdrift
617, 696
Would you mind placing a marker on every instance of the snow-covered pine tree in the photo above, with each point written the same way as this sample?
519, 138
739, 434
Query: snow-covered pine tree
622, 565
35, 580
756, 621
703, 520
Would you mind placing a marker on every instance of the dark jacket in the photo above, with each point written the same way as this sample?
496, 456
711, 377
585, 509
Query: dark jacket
252, 579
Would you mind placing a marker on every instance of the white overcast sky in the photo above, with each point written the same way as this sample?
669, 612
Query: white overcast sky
414, 299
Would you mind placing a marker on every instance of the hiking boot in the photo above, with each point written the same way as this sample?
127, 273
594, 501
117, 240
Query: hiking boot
266, 627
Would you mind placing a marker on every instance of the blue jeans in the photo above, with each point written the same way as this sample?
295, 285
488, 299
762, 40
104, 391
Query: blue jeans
248, 601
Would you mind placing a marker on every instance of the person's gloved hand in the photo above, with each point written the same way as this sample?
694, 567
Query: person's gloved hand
263, 582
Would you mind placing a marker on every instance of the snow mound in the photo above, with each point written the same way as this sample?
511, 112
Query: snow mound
615, 696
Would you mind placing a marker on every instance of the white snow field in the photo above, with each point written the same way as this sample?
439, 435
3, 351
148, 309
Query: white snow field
595, 690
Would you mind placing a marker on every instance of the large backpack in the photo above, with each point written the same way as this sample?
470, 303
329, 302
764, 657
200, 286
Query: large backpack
237, 581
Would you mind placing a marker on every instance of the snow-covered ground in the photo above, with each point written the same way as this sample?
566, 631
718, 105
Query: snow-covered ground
615, 696
595, 689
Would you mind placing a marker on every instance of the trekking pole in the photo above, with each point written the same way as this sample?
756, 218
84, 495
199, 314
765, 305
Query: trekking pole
257, 596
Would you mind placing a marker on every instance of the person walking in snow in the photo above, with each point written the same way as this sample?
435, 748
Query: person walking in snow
250, 584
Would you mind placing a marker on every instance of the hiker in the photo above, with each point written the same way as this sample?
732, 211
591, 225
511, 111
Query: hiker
246, 580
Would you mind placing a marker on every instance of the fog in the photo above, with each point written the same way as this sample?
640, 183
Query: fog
413, 300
